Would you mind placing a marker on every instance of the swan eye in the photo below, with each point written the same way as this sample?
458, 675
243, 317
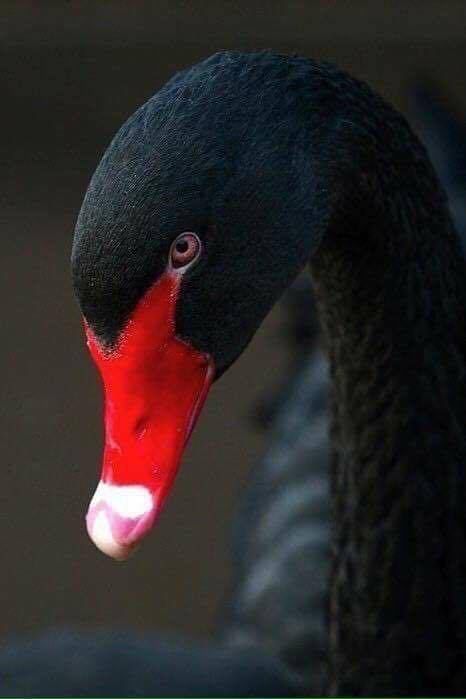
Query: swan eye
185, 250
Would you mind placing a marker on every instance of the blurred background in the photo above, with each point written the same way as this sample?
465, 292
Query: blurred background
70, 73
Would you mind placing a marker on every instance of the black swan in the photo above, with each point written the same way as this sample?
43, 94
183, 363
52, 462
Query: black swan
207, 204
209, 201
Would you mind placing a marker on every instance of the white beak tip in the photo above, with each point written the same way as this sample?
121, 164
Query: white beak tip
101, 534
119, 517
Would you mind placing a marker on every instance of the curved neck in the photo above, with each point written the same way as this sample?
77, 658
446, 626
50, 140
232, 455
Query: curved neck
389, 281
391, 297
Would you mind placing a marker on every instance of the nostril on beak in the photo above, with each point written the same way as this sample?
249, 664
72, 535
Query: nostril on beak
140, 428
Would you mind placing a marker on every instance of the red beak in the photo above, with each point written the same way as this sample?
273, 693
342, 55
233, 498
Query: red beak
155, 386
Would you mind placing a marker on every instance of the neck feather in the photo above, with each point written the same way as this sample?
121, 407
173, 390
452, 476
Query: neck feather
391, 297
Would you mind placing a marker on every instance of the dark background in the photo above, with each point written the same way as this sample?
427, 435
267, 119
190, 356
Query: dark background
70, 73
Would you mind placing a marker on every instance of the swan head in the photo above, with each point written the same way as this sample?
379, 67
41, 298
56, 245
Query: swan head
197, 218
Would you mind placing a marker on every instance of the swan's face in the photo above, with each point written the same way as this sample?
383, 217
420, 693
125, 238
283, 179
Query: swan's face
187, 235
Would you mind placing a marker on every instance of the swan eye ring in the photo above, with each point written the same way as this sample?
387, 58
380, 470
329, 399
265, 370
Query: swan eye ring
185, 250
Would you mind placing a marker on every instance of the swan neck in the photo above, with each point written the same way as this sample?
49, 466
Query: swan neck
391, 300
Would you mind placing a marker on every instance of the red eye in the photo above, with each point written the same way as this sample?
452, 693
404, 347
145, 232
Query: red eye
185, 250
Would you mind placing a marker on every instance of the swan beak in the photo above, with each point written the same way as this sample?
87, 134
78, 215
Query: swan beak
155, 386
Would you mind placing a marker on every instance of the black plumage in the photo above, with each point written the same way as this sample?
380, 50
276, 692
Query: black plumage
128, 664
288, 160
295, 160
